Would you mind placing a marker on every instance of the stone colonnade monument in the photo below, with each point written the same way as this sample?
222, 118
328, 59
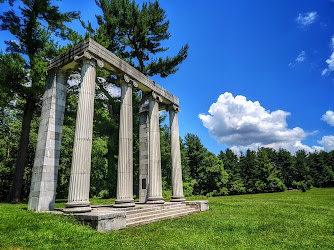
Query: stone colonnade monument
88, 55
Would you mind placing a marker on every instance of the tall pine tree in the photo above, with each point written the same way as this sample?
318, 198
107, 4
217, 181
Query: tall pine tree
33, 27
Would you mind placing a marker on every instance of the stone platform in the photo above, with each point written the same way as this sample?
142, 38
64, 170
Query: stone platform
106, 218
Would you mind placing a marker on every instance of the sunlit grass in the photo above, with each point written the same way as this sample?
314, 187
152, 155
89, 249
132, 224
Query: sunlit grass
275, 221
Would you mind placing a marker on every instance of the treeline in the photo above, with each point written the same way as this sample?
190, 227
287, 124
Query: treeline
264, 170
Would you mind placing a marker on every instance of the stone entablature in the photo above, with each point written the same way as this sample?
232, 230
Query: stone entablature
91, 49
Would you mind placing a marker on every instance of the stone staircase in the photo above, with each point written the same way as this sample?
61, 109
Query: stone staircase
106, 218
154, 213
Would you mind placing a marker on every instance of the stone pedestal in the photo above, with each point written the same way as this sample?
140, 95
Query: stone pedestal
78, 196
103, 222
125, 155
177, 184
155, 181
45, 170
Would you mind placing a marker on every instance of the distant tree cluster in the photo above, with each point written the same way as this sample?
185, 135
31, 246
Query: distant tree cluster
264, 170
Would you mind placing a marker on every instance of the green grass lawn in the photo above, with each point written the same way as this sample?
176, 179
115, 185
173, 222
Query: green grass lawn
280, 220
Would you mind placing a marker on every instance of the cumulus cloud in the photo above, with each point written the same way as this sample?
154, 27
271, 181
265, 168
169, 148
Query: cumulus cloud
240, 124
301, 57
307, 18
330, 60
328, 117
327, 142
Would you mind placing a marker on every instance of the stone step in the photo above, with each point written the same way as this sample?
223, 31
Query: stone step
153, 208
159, 217
156, 212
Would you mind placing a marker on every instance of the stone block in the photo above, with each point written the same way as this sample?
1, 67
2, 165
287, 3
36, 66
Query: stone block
49, 176
47, 186
103, 221
202, 205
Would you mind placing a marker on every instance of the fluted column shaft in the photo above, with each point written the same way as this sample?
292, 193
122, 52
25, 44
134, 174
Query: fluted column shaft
177, 184
125, 154
155, 181
78, 197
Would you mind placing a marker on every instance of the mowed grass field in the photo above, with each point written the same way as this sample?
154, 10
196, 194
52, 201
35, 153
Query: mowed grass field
289, 220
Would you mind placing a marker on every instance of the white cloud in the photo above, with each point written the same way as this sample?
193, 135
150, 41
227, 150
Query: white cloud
325, 72
329, 61
241, 124
327, 142
307, 18
301, 57
328, 117
112, 89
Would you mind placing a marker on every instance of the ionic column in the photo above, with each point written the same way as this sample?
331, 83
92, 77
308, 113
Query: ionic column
177, 184
125, 149
155, 181
78, 196
44, 173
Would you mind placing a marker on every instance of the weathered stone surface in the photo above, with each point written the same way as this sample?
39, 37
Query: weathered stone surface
177, 184
125, 150
103, 221
155, 181
203, 205
111, 63
45, 170
78, 195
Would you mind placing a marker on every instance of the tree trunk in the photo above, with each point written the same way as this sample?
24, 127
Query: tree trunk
15, 192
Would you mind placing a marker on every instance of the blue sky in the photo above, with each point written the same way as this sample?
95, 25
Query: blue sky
259, 73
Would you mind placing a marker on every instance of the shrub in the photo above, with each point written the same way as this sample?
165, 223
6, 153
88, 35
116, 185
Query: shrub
301, 185
188, 188
237, 187
104, 194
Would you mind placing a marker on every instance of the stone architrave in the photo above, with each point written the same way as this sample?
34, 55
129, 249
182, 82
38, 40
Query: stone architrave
177, 184
125, 155
155, 181
144, 127
45, 170
78, 196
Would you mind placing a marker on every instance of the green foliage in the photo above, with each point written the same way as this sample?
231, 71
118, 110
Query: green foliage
34, 27
188, 188
302, 185
136, 34
104, 194
9, 140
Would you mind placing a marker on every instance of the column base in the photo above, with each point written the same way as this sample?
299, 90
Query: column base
155, 200
124, 203
77, 207
177, 199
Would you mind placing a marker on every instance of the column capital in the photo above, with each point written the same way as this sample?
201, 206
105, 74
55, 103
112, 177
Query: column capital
86, 56
143, 108
124, 78
154, 96
173, 107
